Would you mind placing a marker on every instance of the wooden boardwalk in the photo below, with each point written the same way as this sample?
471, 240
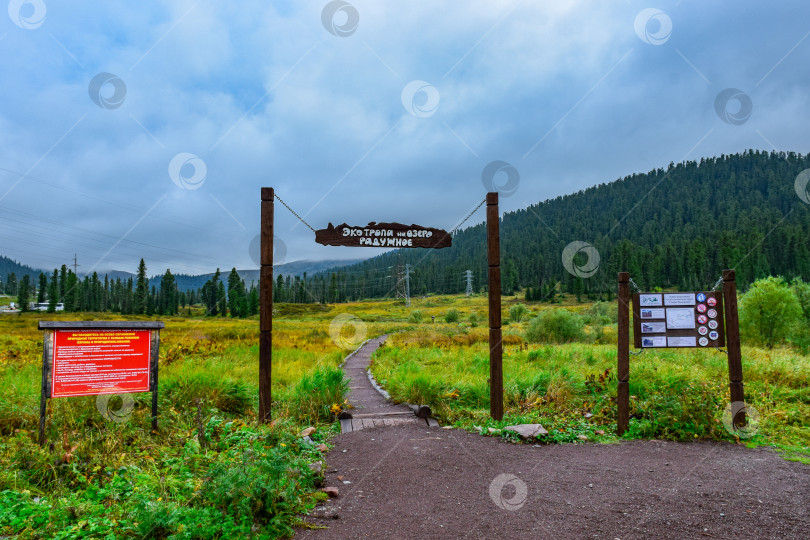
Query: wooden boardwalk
370, 408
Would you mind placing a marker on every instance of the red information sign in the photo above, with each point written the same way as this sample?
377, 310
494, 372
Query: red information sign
101, 361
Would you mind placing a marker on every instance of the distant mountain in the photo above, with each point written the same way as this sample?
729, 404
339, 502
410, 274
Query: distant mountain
187, 282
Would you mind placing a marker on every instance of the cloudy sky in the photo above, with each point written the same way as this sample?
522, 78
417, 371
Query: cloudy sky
146, 129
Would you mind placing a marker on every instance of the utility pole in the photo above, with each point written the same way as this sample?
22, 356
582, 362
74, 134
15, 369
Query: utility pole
469, 290
76, 265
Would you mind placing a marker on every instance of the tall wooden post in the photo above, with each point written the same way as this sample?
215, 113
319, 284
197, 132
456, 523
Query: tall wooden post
735, 375
495, 341
266, 307
623, 355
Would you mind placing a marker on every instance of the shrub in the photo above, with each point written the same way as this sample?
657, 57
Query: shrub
555, 325
473, 318
602, 313
769, 312
451, 316
517, 312
802, 291
416, 316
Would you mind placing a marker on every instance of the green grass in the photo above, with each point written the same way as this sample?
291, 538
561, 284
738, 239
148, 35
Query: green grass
570, 388
211, 471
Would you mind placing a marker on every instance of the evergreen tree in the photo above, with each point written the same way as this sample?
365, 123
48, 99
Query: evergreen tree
72, 297
23, 291
141, 290
222, 299
43, 288
53, 291
236, 294
11, 284
168, 301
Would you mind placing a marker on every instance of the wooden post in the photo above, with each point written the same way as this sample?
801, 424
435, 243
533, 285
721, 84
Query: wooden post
266, 307
155, 345
735, 375
45, 389
623, 355
495, 341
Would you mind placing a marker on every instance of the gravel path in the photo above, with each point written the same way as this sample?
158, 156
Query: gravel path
415, 482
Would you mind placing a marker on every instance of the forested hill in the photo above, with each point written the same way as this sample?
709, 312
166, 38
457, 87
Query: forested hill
674, 227
10, 266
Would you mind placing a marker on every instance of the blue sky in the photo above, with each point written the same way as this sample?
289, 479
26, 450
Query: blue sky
147, 130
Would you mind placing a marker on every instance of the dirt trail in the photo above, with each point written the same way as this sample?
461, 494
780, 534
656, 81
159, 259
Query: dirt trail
414, 482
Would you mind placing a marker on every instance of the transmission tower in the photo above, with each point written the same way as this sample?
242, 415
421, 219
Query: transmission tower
468, 275
407, 285
76, 265
404, 283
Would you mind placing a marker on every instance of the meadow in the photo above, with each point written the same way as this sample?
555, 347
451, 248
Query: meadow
213, 471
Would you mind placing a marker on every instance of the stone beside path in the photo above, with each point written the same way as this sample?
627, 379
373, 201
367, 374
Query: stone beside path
369, 408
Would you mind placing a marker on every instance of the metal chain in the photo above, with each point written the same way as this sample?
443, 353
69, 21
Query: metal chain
633, 283
716, 285
293, 212
468, 217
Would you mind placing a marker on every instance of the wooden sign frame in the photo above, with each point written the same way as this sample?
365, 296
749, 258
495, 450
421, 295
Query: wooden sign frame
437, 238
727, 312
48, 352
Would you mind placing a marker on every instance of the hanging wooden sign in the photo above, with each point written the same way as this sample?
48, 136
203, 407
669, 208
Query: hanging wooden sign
383, 235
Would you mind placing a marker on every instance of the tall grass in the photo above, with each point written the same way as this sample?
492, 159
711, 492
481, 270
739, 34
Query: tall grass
676, 394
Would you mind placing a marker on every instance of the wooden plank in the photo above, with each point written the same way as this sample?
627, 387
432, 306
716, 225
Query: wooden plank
494, 274
126, 325
382, 414
346, 425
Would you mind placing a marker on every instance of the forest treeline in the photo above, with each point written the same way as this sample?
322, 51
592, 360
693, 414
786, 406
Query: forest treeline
677, 227
670, 228
64, 291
